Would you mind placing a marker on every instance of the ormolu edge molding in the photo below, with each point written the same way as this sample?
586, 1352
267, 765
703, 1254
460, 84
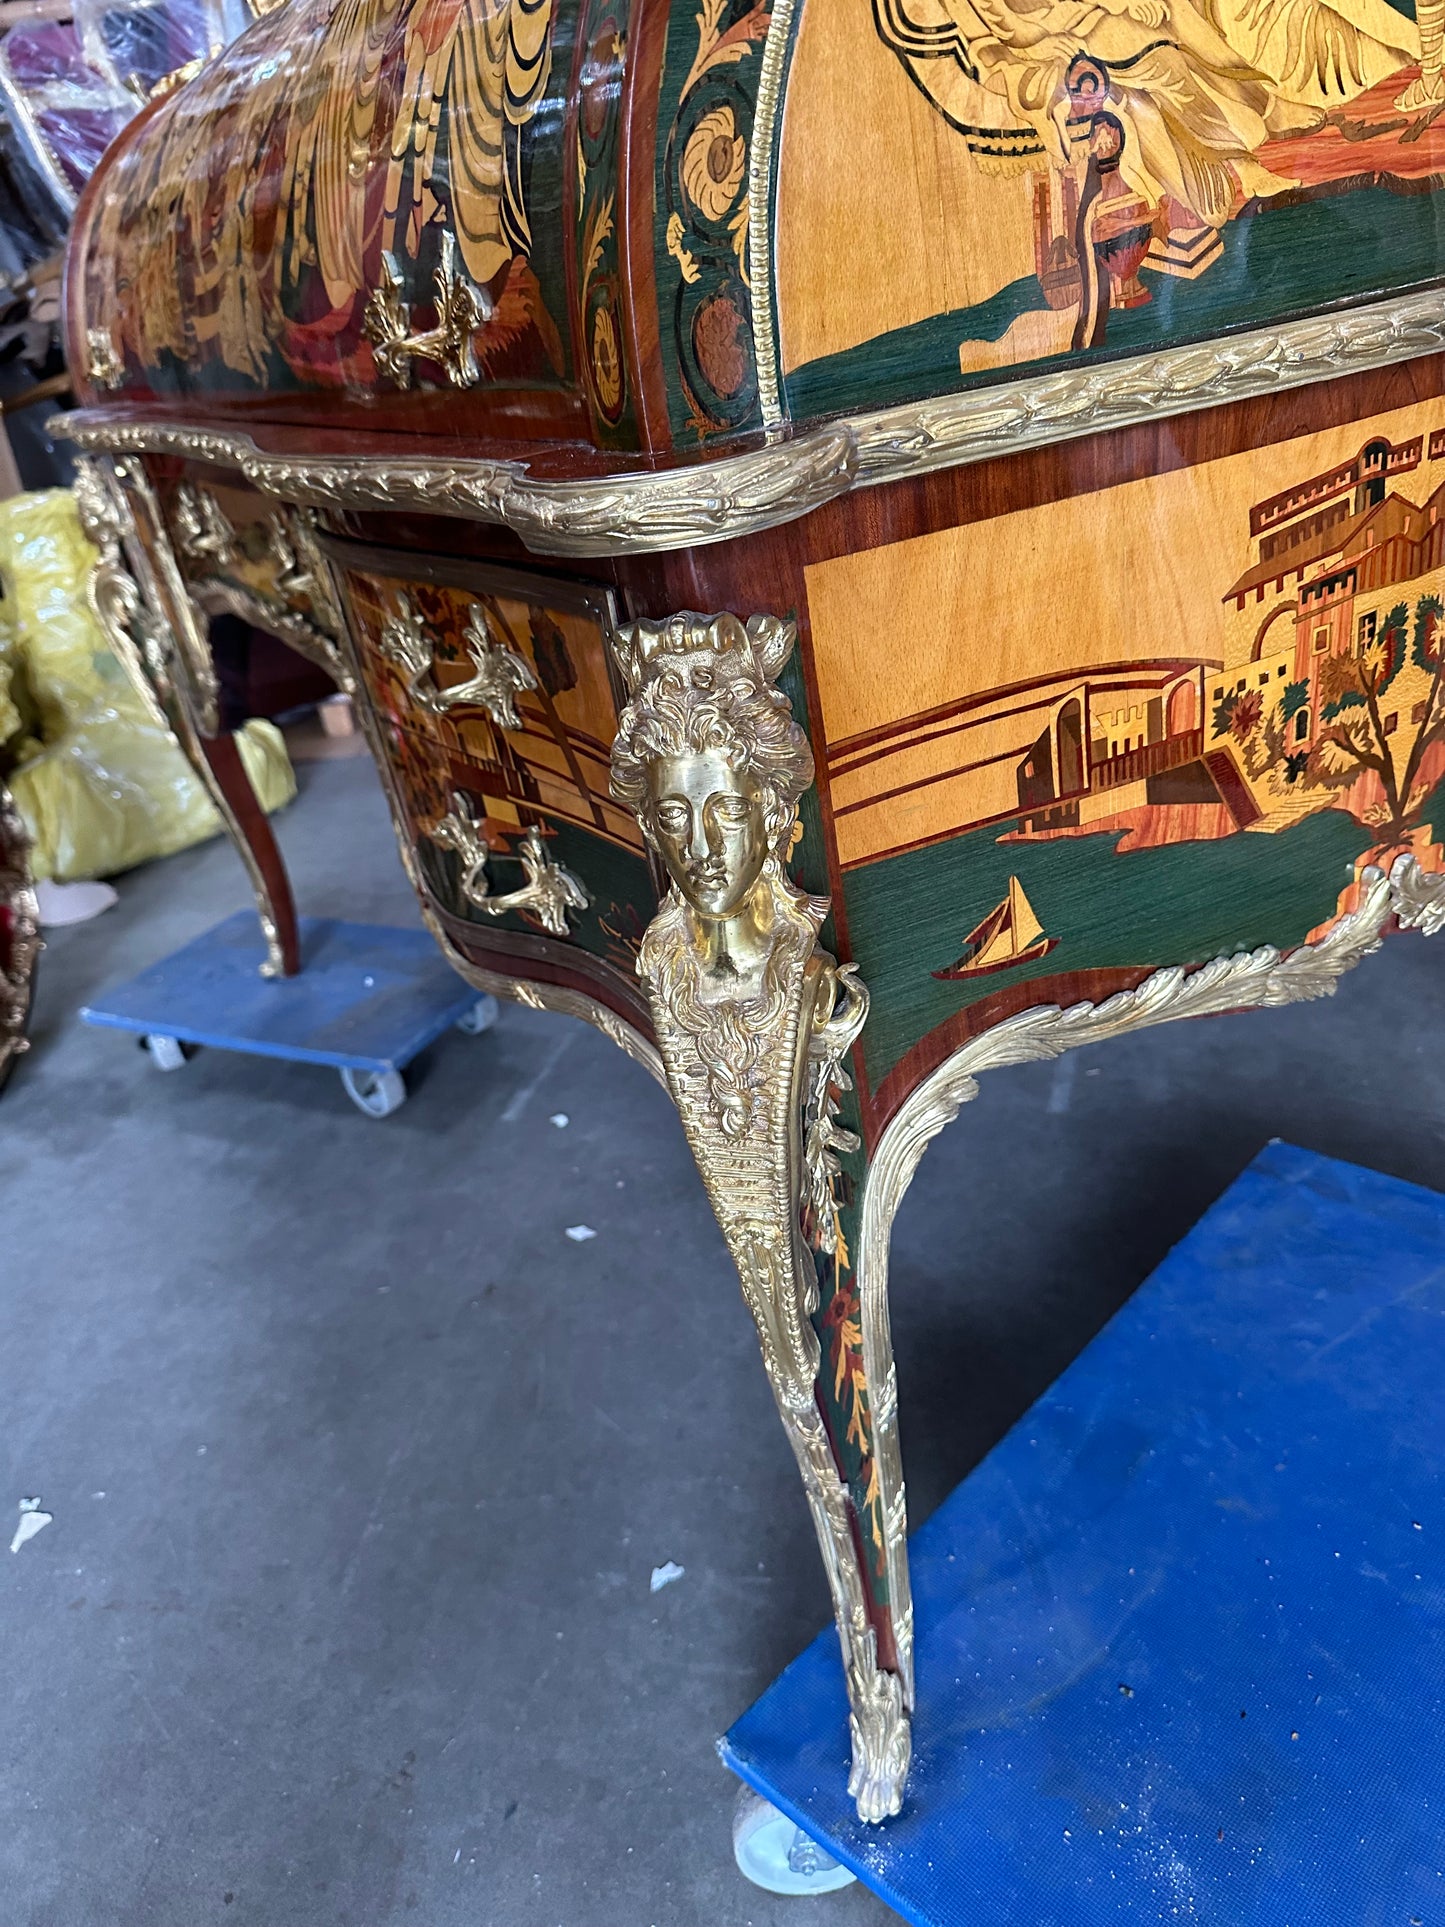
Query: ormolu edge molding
138, 596
294, 599
639, 512
753, 1020
761, 176
924, 436
1250, 979
632, 513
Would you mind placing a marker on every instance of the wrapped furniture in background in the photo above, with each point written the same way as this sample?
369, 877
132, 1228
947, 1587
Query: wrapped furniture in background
68, 85
94, 770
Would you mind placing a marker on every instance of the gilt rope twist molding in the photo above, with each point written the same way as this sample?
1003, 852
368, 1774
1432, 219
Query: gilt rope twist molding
766, 111
713, 501
753, 1019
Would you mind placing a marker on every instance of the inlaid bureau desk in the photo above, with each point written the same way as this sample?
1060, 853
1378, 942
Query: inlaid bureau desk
870, 543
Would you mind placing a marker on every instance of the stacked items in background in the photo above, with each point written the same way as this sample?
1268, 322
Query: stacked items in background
72, 74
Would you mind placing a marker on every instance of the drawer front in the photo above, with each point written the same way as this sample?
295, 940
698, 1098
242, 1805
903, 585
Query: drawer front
1151, 725
546, 709
429, 779
495, 709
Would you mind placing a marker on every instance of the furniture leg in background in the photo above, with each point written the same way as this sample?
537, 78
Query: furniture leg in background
19, 935
249, 829
142, 604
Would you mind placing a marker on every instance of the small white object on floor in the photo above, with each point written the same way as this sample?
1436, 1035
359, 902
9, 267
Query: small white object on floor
337, 716
32, 1520
62, 903
560, 1119
580, 1233
665, 1575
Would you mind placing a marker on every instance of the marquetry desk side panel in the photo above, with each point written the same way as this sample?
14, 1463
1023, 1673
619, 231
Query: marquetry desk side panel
1030, 752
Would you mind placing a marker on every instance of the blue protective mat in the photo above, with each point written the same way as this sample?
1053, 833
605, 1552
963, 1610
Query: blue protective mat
368, 997
1181, 1636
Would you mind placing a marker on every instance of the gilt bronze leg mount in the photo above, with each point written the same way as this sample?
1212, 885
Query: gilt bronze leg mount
753, 1019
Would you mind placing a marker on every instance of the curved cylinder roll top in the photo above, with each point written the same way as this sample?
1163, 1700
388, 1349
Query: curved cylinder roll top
682, 224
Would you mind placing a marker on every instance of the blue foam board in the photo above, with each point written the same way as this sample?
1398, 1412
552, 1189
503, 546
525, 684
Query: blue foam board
1181, 1636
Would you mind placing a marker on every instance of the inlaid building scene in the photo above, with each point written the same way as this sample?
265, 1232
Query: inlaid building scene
1281, 681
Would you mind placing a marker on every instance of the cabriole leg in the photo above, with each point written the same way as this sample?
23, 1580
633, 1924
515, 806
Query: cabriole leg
753, 1020
246, 824
140, 600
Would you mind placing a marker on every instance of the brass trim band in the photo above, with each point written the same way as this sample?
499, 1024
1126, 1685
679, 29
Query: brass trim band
766, 113
639, 512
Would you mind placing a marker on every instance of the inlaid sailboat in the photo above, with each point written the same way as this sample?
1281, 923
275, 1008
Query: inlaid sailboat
1010, 934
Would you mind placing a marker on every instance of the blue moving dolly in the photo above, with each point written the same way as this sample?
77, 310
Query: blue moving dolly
367, 1000
1181, 1635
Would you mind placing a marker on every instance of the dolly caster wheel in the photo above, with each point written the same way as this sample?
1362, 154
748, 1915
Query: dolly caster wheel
481, 1016
780, 1857
378, 1093
166, 1053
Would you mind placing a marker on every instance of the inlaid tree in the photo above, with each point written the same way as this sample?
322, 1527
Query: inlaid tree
1359, 735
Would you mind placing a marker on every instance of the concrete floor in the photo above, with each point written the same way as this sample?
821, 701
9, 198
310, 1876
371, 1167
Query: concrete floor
359, 1467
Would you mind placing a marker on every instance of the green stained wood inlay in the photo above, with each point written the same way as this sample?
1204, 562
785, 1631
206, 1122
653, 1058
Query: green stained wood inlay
598, 324
705, 125
1279, 262
1182, 903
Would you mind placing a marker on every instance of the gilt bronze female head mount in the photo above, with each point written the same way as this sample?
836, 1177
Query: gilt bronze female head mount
707, 754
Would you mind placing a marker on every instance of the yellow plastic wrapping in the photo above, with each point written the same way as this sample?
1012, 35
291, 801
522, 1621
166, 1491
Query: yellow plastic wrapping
100, 784
12, 723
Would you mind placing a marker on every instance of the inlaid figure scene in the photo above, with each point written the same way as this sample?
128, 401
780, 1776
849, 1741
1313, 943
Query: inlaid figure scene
1116, 177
